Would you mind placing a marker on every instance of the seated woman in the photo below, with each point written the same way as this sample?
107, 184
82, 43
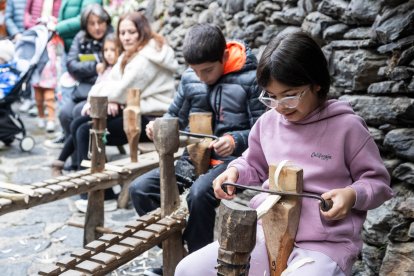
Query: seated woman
147, 64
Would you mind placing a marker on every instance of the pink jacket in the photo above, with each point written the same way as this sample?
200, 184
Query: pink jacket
335, 150
33, 11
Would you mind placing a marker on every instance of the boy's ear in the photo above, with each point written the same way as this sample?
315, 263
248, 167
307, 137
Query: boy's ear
225, 56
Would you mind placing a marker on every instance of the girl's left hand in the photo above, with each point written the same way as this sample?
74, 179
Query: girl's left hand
343, 200
86, 109
113, 109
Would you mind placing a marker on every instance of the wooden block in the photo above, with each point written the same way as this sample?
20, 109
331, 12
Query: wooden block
104, 258
123, 231
136, 225
5, 201
39, 184
109, 238
90, 179
144, 235
156, 228
118, 250
89, 266
43, 191
81, 253
131, 242
167, 221
67, 262
51, 181
68, 184
150, 218
62, 178
96, 246
100, 176
111, 174
55, 187
73, 273
50, 270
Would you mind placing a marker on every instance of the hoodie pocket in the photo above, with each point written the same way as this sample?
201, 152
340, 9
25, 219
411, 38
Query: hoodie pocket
311, 227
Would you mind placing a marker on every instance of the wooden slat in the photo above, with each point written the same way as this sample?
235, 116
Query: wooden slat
144, 235
89, 266
156, 228
81, 253
67, 262
124, 231
109, 238
118, 250
104, 258
73, 273
131, 242
96, 246
50, 270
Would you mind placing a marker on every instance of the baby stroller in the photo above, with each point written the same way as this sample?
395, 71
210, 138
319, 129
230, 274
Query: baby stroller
30, 55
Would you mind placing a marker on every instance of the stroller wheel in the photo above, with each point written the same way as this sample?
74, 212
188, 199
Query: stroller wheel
27, 143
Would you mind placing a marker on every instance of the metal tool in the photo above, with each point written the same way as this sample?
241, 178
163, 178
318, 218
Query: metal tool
326, 204
198, 135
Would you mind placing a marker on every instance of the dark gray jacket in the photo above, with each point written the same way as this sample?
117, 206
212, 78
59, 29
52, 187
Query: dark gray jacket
233, 101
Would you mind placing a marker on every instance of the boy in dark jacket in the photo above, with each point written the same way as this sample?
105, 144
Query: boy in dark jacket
222, 80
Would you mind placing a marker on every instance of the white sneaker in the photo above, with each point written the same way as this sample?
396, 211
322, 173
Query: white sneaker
41, 123
109, 205
50, 126
33, 111
26, 105
56, 143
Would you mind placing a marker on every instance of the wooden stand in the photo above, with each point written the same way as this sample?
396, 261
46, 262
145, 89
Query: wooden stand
166, 142
132, 129
281, 222
95, 211
237, 238
200, 122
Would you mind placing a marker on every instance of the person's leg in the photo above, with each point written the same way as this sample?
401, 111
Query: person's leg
201, 205
204, 261
80, 132
39, 98
65, 116
49, 97
115, 127
144, 192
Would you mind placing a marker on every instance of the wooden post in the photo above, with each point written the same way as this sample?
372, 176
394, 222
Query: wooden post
200, 122
281, 222
132, 122
237, 238
95, 211
132, 129
166, 142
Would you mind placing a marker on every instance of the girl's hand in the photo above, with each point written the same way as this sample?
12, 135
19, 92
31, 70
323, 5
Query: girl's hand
86, 109
229, 175
100, 68
224, 146
113, 109
149, 130
343, 200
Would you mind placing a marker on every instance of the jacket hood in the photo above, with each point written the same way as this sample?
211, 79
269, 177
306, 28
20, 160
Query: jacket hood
163, 57
330, 108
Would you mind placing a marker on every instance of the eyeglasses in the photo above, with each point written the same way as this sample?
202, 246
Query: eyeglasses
287, 102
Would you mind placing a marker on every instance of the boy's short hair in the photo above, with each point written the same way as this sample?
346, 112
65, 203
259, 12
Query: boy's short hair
204, 43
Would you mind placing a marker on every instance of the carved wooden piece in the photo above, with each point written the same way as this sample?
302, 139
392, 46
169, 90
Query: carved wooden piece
281, 223
200, 122
95, 211
237, 238
132, 122
166, 143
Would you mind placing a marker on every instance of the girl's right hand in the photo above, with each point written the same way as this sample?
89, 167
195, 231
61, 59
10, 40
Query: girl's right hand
86, 109
100, 68
149, 130
230, 175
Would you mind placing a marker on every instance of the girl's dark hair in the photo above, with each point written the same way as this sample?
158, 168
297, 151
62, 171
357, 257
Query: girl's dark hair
97, 10
294, 59
113, 38
204, 43
145, 34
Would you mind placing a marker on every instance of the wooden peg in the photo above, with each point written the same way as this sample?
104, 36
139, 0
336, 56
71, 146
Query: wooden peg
132, 122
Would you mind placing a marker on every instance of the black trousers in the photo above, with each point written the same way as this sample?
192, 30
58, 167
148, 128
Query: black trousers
145, 195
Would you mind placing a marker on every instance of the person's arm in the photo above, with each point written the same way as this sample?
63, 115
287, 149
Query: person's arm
179, 108
79, 70
70, 25
11, 27
255, 109
28, 23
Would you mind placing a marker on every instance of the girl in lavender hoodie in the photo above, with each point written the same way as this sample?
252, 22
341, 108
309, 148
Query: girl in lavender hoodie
340, 160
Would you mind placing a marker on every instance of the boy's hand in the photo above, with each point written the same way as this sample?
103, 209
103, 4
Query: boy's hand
343, 200
224, 146
86, 109
149, 130
113, 109
230, 175
100, 68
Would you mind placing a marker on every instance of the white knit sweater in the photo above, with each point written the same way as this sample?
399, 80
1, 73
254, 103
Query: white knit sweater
151, 71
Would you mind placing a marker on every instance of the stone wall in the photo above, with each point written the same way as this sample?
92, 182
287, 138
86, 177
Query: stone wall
370, 48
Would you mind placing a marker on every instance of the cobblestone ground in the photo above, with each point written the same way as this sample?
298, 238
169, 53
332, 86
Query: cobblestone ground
35, 238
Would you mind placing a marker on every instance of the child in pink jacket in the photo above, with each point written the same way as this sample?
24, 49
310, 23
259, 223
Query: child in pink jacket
41, 11
340, 161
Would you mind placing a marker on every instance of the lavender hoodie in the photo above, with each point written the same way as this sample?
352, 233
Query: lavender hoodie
335, 150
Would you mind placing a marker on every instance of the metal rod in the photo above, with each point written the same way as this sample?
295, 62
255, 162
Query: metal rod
198, 135
326, 204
